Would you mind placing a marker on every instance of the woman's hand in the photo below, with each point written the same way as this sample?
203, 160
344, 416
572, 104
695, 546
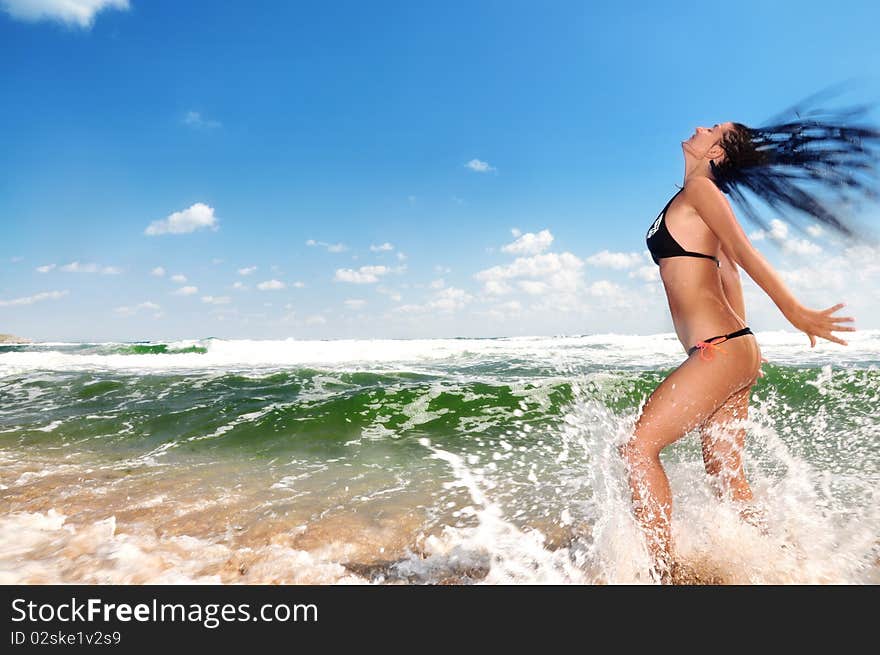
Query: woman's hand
820, 323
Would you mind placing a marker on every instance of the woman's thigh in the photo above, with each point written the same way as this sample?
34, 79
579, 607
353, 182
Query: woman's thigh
692, 393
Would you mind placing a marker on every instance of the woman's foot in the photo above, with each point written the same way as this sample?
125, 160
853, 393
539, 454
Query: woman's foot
755, 516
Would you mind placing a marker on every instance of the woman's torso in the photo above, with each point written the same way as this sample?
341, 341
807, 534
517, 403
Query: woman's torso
697, 288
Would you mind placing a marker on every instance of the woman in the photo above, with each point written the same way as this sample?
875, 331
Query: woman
698, 245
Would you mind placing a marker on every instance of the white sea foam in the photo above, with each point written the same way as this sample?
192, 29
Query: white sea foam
781, 347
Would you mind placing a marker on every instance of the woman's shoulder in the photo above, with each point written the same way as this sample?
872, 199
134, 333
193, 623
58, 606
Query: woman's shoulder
701, 190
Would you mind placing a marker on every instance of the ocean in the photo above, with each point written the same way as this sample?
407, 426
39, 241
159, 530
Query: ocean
436, 461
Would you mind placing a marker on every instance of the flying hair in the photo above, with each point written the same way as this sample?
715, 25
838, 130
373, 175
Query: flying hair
804, 149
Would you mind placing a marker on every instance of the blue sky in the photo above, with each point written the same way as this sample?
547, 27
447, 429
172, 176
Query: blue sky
387, 169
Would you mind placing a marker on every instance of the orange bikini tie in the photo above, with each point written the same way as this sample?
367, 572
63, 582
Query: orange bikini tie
706, 348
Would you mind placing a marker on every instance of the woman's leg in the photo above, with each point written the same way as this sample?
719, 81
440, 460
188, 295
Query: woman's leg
691, 394
723, 439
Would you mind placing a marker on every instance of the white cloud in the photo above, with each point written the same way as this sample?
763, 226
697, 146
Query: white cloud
364, 275
71, 12
216, 300
532, 287
158, 271
76, 267
30, 300
271, 285
355, 303
779, 235
529, 243
331, 247
46, 268
380, 248
186, 291
604, 289
196, 217
615, 260
179, 278
394, 295
240, 286
801, 247
401, 256
515, 231
144, 306
479, 166
298, 284
196, 120
450, 299
442, 269
648, 273
562, 273
446, 300
247, 270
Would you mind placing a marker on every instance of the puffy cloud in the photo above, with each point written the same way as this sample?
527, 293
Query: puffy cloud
30, 300
158, 271
247, 270
364, 275
331, 247
216, 300
46, 268
779, 235
240, 286
196, 217
529, 243
186, 291
446, 300
271, 285
561, 273
479, 166
76, 267
615, 260
532, 287
71, 12
648, 273
380, 248
179, 278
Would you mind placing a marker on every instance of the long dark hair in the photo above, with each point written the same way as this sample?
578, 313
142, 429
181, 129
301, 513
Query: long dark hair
800, 147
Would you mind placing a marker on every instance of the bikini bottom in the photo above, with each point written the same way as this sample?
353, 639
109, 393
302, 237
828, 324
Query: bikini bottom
706, 346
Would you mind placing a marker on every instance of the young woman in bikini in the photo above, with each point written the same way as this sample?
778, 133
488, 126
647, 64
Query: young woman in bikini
699, 246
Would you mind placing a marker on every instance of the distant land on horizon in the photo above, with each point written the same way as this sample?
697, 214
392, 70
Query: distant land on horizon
11, 338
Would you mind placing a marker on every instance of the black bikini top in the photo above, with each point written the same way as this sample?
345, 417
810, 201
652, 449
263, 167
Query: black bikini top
660, 241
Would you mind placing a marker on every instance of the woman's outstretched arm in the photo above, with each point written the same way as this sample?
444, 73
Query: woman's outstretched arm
715, 210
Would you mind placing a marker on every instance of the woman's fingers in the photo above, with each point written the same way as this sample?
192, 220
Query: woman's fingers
831, 310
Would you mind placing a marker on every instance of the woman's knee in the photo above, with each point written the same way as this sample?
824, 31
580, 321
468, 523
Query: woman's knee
638, 452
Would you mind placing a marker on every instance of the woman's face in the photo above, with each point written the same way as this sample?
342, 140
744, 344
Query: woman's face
705, 141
